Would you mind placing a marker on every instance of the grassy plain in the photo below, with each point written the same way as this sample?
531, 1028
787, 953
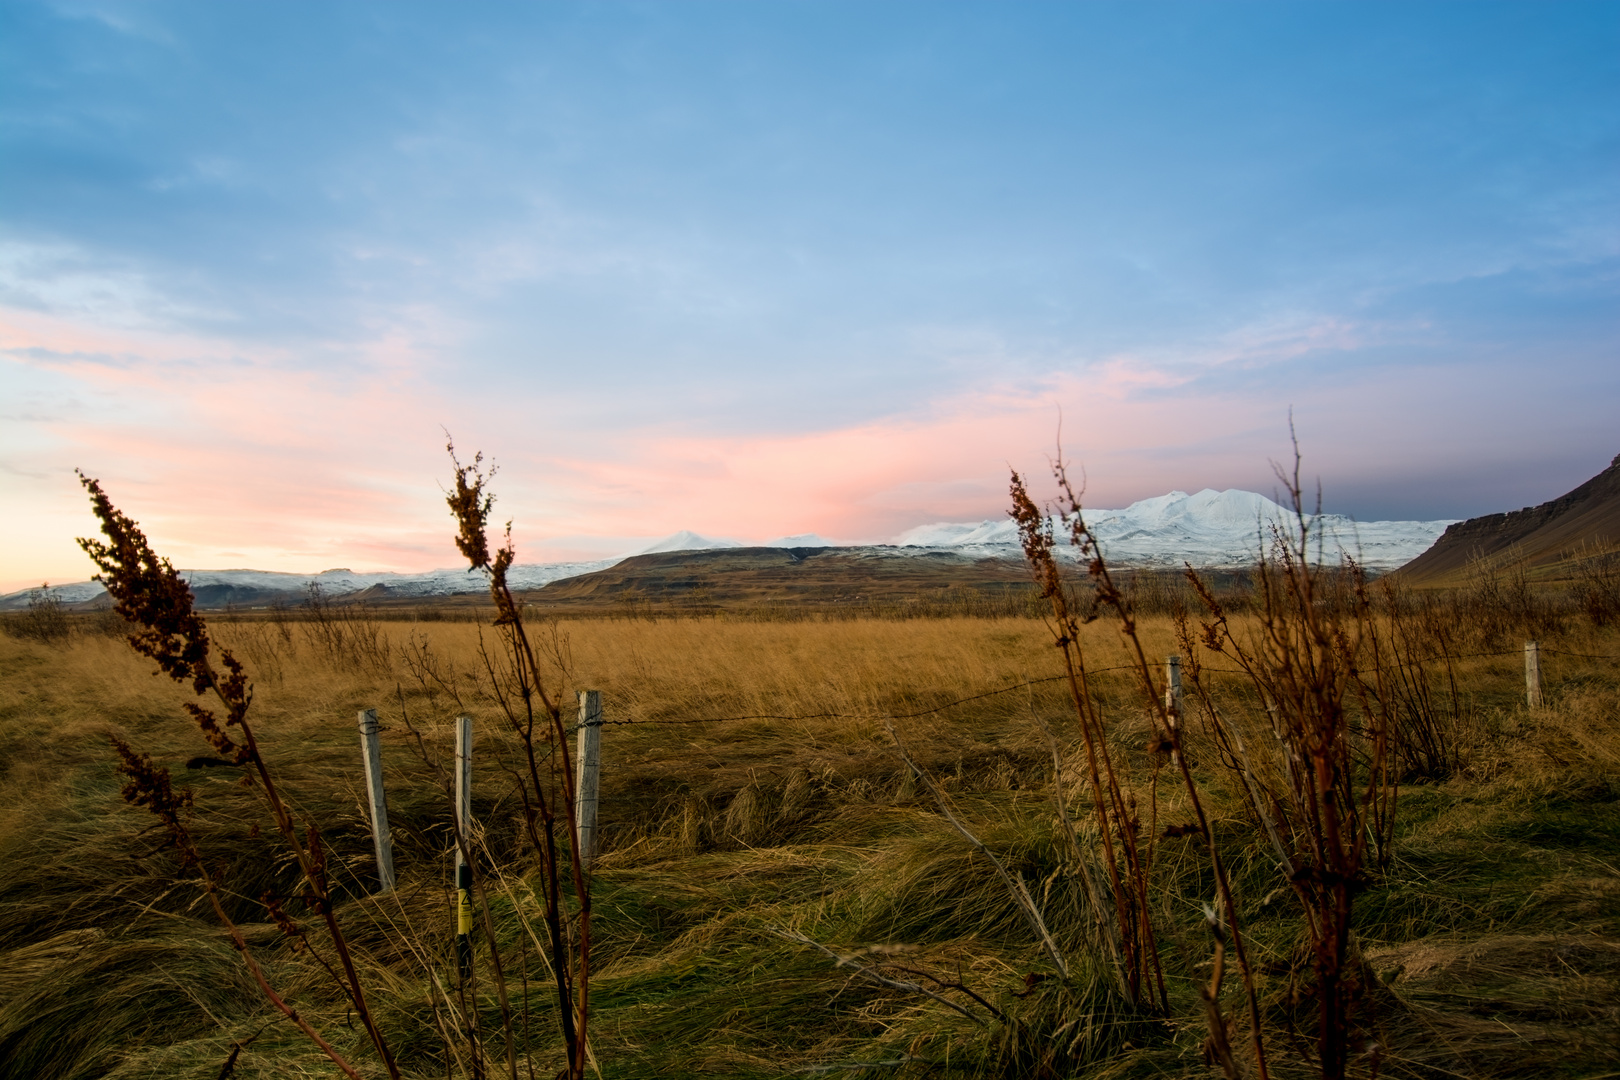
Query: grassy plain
752, 792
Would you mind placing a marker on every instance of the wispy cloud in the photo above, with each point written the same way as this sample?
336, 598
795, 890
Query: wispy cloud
88, 289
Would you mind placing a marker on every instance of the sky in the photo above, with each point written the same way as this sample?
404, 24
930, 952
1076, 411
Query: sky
760, 269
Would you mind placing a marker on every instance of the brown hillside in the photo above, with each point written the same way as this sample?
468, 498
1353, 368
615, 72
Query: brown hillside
1539, 535
745, 576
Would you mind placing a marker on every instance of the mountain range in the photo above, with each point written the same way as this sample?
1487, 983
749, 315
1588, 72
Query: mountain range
1210, 529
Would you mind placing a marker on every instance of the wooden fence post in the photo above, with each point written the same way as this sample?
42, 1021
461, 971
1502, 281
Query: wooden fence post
464, 909
1172, 688
1532, 674
381, 839
588, 773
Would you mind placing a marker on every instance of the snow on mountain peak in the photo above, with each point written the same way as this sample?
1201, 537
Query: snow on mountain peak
801, 540
949, 534
686, 540
1210, 528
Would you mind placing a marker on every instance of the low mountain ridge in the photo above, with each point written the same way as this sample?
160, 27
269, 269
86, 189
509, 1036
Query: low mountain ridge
726, 577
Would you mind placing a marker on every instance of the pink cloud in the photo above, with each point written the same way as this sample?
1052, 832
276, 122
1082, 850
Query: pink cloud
232, 457
871, 481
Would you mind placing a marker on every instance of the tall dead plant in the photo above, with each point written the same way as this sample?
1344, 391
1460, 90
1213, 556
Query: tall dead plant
151, 595
1116, 808
543, 776
1124, 860
157, 601
1319, 665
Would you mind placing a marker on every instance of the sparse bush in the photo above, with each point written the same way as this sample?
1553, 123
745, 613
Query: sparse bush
1597, 585
46, 619
1415, 670
345, 632
1500, 600
1326, 797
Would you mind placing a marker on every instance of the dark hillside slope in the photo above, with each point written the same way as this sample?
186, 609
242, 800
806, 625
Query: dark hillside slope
744, 576
1539, 535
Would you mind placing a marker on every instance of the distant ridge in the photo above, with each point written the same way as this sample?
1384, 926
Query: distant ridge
1537, 535
812, 575
1209, 529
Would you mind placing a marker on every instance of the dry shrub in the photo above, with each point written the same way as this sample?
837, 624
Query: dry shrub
695, 824
45, 620
797, 792
347, 634
1596, 590
1500, 600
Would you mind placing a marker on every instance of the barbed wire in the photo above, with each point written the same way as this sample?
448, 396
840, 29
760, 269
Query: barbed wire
1022, 685
1582, 655
1544, 649
633, 722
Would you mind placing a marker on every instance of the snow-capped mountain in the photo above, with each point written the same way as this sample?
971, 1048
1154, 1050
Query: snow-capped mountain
1213, 529
76, 593
802, 540
685, 540
215, 588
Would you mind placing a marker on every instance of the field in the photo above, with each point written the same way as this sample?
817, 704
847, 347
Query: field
755, 804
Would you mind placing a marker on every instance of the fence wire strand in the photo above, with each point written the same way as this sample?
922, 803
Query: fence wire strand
632, 722
1022, 685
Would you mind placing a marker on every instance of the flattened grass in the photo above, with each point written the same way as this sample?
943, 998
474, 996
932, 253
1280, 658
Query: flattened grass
1491, 944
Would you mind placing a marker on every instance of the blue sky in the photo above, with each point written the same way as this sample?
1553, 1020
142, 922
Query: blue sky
766, 268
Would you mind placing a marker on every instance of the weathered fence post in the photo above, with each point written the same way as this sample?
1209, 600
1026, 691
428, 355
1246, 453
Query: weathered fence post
588, 773
464, 909
1172, 688
1532, 674
381, 838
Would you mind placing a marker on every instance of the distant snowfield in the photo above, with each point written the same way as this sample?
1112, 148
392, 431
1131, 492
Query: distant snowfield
336, 583
1212, 529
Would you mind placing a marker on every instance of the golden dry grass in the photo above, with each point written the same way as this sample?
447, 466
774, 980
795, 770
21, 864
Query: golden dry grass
719, 834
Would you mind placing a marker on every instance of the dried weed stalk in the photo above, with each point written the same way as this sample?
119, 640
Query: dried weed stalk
152, 596
544, 778
1124, 857
1324, 671
1116, 809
